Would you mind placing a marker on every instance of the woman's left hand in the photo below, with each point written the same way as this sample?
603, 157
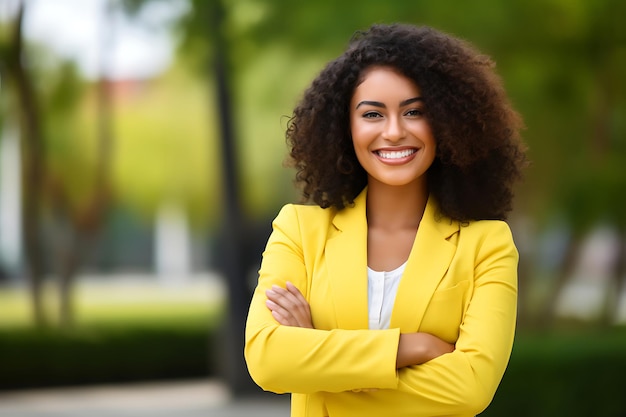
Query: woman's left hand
288, 306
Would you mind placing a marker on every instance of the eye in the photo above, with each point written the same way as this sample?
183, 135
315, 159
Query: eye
414, 113
371, 115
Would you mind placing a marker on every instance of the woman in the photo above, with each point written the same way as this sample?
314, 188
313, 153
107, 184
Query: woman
394, 294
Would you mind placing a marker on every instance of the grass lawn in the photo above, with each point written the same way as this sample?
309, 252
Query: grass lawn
120, 300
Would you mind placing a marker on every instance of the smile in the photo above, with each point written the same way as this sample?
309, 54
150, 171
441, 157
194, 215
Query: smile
395, 154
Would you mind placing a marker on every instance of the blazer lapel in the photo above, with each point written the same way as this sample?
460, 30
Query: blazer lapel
428, 262
346, 258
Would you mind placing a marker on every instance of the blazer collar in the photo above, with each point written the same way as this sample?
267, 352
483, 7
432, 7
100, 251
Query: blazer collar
346, 256
430, 257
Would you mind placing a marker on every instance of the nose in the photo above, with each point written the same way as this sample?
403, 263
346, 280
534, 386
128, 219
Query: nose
394, 129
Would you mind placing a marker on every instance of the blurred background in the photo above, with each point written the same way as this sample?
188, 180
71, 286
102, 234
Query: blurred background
141, 149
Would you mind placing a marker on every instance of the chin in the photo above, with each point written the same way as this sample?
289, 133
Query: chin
400, 182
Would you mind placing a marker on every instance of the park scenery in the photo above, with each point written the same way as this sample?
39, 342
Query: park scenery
141, 164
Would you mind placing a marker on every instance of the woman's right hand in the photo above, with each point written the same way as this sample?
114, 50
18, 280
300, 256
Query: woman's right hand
288, 306
418, 348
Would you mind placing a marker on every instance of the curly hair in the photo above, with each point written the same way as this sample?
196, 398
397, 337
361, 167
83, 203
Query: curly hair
479, 152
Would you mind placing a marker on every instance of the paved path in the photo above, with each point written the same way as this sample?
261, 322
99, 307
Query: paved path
197, 398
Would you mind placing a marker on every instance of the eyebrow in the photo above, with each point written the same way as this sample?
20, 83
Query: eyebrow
382, 105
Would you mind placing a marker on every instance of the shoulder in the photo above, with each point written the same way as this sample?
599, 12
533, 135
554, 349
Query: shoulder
488, 236
472, 232
302, 227
304, 214
304, 221
485, 228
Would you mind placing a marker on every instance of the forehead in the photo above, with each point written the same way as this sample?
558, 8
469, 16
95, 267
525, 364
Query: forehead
385, 81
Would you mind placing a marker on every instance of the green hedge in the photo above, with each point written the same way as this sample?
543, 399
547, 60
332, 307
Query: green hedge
554, 374
103, 354
564, 374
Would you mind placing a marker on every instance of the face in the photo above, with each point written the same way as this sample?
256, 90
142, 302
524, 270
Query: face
391, 134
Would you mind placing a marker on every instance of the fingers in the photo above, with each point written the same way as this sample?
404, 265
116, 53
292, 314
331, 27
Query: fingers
283, 308
288, 306
296, 293
281, 315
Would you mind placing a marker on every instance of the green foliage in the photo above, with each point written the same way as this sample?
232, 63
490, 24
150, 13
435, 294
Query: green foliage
561, 61
564, 374
70, 174
595, 192
263, 110
105, 354
165, 147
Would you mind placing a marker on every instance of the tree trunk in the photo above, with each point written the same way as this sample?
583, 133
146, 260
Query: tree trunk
234, 367
32, 166
84, 226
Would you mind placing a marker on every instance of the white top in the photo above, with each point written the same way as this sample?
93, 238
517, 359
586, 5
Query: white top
381, 293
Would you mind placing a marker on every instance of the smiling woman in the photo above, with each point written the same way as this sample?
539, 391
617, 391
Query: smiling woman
395, 293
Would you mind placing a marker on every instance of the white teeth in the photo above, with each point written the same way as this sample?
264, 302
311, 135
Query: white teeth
395, 154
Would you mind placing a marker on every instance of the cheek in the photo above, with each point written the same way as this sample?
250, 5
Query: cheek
425, 129
364, 130
427, 136
359, 135
360, 146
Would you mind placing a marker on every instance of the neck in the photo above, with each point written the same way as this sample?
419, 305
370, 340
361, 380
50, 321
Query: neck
394, 208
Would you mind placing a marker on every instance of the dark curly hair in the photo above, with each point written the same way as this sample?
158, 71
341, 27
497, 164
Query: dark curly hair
479, 151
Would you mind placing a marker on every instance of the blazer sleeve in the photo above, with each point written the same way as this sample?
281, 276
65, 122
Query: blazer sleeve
466, 379
292, 359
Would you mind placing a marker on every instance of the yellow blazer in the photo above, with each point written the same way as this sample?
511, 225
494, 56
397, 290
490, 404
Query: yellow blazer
460, 284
